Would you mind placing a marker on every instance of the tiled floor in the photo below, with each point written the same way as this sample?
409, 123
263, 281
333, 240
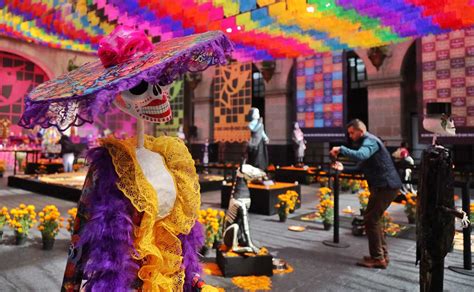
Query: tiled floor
316, 267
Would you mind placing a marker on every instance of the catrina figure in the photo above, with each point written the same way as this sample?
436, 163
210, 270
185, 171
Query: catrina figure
136, 227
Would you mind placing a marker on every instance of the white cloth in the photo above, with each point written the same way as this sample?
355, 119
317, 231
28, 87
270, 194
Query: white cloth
155, 170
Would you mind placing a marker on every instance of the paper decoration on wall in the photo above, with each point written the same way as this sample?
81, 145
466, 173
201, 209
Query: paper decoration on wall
319, 95
262, 29
177, 106
232, 102
17, 76
448, 76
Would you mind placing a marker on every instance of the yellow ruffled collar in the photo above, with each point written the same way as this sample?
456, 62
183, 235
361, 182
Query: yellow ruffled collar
156, 241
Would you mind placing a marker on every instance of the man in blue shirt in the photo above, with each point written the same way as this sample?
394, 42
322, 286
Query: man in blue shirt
384, 183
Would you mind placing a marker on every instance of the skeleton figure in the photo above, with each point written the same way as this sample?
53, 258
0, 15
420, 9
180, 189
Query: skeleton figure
300, 144
236, 226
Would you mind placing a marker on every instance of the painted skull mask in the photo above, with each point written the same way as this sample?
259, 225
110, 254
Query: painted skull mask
146, 101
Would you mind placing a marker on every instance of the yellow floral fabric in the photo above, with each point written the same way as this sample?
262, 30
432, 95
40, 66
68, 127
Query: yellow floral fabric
156, 241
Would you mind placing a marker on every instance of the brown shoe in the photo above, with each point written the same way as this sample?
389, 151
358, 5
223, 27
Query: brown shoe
387, 259
373, 263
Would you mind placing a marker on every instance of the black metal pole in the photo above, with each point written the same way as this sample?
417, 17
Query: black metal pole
466, 200
467, 252
335, 189
336, 207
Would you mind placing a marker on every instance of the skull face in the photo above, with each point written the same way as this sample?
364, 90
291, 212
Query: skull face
146, 101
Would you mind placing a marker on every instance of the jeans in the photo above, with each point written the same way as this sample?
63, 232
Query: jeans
68, 160
379, 201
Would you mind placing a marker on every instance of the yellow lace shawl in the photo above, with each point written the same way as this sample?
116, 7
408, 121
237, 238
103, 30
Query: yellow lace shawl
156, 241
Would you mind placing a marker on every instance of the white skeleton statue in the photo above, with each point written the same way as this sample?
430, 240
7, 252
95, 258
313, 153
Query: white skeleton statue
236, 227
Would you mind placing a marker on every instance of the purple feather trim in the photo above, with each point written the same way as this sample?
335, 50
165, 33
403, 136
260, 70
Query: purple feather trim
191, 243
77, 110
108, 235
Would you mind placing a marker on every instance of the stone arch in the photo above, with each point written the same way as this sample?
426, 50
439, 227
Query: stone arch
392, 64
34, 59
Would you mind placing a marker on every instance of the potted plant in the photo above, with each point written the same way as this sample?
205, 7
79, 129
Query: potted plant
326, 207
212, 221
50, 223
286, 204
410, 207
21, 220
70, 221
4, 217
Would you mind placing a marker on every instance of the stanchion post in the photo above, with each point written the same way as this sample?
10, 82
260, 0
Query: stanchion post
335, 242
336, 206
467, 252
466, 200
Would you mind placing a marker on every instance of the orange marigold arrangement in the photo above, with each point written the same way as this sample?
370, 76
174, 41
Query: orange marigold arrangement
70, 221
4, 217
22, 219
287, 202
50, 221
389, 227
410, 206
212, 221
363, 199
326, 205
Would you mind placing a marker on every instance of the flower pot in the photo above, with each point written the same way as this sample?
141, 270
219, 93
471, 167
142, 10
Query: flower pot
358, 227
282, 217
411, 219
327, 225
48, 243
20, 238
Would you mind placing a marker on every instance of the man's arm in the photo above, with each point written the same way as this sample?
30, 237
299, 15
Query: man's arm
368, 148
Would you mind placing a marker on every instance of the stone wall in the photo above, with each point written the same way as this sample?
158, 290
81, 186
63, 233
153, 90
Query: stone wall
384, 88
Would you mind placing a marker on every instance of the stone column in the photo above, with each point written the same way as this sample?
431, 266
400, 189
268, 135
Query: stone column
384, 88
203, 107
278, 106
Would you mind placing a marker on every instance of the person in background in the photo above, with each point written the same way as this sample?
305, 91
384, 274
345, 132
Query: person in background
376, 164
67, 152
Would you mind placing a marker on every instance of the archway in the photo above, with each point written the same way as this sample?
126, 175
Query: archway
18, 76
258, 90
356, 89
409, 100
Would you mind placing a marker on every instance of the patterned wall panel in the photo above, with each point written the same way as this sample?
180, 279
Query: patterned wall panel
447, 65
319, 95
232, 102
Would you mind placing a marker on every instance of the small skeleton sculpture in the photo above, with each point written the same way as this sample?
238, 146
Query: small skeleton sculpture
236, 226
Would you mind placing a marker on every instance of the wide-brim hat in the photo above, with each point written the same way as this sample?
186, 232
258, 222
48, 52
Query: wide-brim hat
78, 96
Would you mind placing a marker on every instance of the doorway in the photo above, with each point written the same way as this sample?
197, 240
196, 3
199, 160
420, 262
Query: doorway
357, 95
